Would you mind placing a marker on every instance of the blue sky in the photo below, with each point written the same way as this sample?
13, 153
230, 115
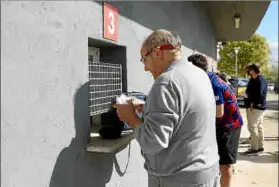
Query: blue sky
269, 28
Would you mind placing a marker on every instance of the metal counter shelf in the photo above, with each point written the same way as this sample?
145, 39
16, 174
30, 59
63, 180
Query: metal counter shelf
99, 145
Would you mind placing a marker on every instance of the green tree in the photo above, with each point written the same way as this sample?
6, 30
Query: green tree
255, 50
272, 75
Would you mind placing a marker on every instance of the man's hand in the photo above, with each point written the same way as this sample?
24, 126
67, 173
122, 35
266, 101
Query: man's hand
127, 114
138, 104
251, 107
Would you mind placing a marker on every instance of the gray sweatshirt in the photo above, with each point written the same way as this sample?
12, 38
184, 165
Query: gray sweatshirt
178, 133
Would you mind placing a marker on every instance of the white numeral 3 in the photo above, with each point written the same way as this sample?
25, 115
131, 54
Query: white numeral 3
111, 27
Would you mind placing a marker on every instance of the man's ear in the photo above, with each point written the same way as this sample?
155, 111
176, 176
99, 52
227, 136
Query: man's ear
158, 53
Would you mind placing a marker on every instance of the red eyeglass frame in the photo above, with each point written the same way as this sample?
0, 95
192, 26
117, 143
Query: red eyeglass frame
161, 47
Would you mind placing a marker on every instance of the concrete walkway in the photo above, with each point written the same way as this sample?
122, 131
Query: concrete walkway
259, 171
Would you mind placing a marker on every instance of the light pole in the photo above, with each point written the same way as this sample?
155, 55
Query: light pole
236, 49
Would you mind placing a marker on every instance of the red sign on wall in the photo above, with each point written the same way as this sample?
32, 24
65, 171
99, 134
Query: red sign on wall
110, 22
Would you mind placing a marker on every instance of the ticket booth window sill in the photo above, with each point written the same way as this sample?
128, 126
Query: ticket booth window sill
99, 145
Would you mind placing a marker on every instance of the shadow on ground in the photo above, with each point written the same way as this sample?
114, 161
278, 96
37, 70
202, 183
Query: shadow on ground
244, 142
272, 105
266, 157
267, 138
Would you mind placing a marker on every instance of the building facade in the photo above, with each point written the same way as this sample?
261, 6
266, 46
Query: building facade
45, 51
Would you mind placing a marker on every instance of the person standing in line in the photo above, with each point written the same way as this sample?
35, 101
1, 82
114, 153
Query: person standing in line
256, 106
177, 132
228, 121
246, 104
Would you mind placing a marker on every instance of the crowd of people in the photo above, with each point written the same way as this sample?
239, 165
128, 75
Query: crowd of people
191, 123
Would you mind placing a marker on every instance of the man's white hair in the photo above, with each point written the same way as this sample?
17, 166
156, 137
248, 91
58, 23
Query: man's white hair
162, 37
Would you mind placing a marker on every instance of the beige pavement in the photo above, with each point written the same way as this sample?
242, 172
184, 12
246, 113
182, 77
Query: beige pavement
259, 171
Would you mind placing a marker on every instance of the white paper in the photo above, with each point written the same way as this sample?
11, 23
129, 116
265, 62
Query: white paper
123, 99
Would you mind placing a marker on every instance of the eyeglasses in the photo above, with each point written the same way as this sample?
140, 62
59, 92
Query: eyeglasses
162, 47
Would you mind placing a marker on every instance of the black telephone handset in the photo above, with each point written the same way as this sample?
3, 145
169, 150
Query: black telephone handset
111, 126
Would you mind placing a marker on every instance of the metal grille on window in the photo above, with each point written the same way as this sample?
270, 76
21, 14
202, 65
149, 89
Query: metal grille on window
105, 83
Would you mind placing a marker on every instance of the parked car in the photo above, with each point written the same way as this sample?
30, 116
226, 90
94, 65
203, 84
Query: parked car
243, 81
270, 87
242, 85
241, 89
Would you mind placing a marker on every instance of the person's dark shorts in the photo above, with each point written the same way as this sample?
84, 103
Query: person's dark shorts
228, 145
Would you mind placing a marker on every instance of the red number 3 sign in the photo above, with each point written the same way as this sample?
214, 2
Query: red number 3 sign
110, 22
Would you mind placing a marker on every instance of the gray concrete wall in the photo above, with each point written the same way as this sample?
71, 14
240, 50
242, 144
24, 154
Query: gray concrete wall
44, 94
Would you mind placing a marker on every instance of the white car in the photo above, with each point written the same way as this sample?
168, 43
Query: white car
270, 87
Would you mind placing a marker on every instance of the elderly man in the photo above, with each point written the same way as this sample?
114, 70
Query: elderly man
177, 132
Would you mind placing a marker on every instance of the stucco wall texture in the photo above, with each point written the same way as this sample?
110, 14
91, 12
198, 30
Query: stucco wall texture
44, 90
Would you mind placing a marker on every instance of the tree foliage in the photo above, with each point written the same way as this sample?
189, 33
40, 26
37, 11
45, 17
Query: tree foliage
272, 75
255, 50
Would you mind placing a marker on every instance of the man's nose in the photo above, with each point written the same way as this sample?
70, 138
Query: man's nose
145, 68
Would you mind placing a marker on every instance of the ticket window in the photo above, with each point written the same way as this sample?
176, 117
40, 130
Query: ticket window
107, 80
